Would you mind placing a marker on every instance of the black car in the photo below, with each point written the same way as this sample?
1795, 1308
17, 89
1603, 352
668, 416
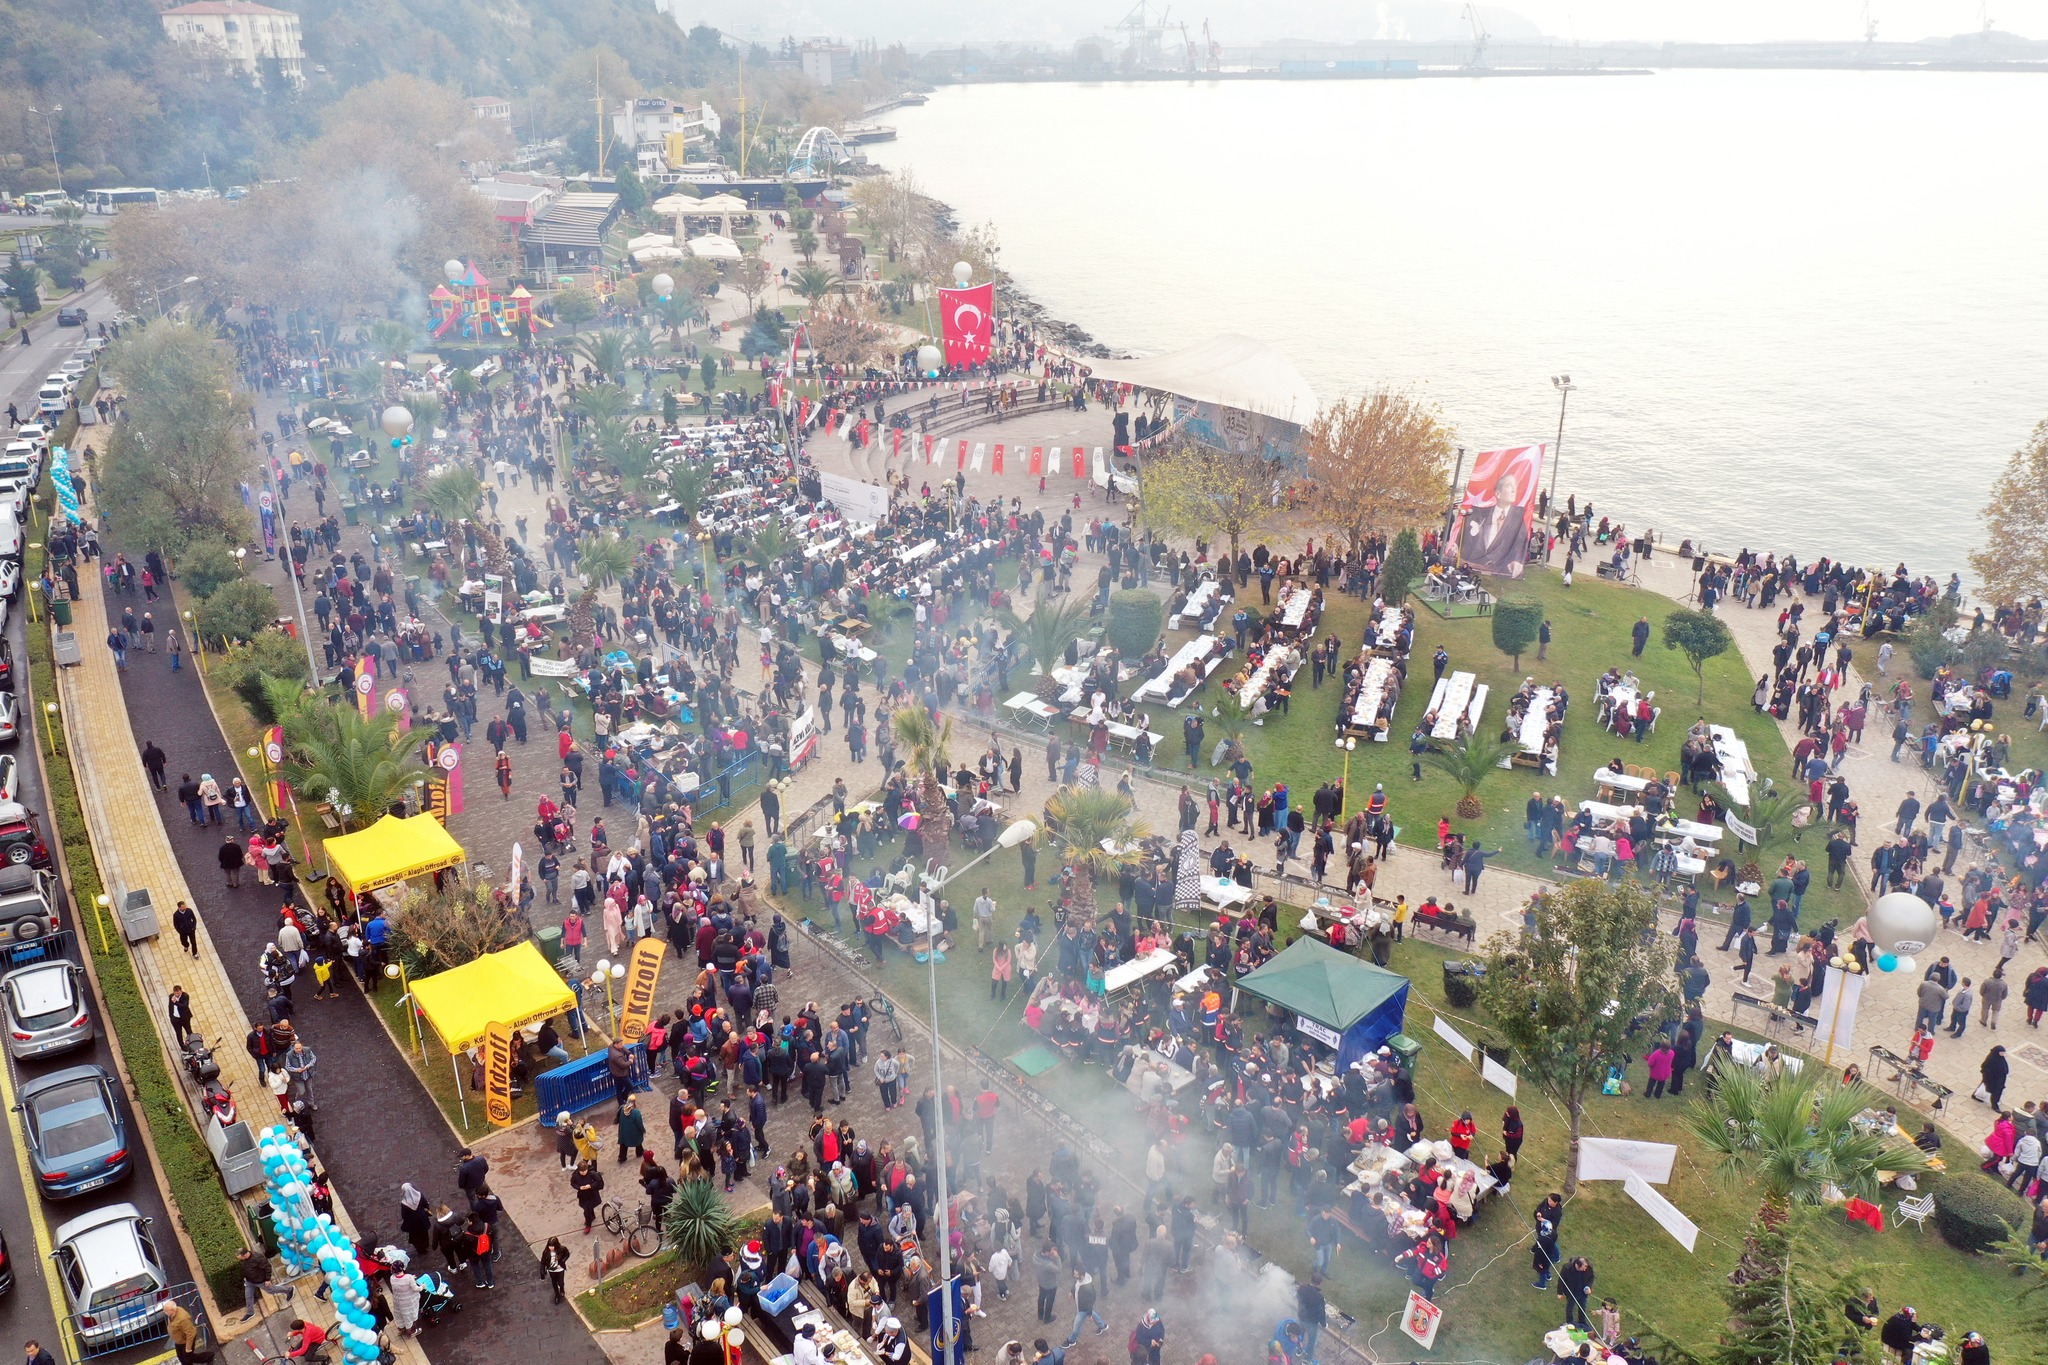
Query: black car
71, 317
6, 1266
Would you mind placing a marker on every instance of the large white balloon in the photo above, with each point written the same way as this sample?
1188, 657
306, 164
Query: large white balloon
396, 421
927, 359
962, 273
1902, 923
453, 267
664, 285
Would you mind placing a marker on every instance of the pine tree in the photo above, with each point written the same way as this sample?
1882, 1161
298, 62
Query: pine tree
1784, 1308
1402, 567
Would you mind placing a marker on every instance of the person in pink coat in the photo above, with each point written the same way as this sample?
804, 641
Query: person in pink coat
2003, 1139
1659, 1062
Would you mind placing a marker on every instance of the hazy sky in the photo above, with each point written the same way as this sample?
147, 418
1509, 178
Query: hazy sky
1059, 22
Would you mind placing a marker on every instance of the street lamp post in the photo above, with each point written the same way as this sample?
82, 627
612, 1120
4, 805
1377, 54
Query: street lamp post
56, 734
99, 913
50, 128
1564, 386
395, 971
1016, 834
1347, 744
608, 972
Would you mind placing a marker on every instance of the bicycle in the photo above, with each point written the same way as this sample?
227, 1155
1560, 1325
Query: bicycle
643, 1239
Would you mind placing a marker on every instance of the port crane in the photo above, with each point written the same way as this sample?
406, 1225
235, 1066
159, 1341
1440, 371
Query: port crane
1479, 39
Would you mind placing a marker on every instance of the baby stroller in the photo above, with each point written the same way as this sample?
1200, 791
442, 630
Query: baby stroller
437, 1299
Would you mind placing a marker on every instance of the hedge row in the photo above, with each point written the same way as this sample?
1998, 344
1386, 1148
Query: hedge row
210, 1219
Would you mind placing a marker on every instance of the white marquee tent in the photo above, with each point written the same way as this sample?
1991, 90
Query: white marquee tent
1230, 370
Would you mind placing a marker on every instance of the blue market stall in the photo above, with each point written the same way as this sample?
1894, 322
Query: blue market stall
1341, 1001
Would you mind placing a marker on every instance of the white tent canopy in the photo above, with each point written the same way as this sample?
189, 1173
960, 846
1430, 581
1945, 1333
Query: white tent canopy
673, 204
715, 248
719, 203
647, 254
650, 239
1231, 370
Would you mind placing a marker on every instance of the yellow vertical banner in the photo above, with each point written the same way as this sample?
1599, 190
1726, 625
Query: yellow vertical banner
498, 1074
643, 973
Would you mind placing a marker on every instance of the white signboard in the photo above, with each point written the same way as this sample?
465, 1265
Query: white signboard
1497, 1076
1322, 1033
1619, 1158
1419, 1320
857, 501
1838, 1015
1681, 1228
1746, 833
1460, 1044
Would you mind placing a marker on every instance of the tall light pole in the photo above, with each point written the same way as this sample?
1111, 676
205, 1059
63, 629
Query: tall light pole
1564, 386
51, 129
1016, 834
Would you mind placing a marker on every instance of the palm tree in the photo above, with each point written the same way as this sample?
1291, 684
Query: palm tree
1797, 1137
687, 484
676, 312
390, 339
362, 768
619, 446
806, 244
604, 352
770, 542
602, 402
1770, 811
1046, 633
602, 561
700, 1224
426, 412
923, 743
457, 493
366, 381
1468, 765
813, 283
1078, 821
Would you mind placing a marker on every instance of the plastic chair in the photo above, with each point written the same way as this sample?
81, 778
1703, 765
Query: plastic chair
1913, 1210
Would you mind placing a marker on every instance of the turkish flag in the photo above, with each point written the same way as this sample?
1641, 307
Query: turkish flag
929, 439
1080, 464
999, 458
967, 323
961, 463
895, 442
1038, 459
803, 412
861, 432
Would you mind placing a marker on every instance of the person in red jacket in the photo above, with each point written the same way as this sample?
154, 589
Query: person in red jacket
1462, 1133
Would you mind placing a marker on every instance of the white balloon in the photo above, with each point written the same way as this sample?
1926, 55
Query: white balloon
962, 272
396, 421
1907, 964
664, 285
927, 359
1902, 923
453, 268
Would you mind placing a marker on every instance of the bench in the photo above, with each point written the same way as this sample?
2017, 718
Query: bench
1453, 926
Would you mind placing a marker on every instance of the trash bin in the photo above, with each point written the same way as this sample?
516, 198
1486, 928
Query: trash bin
60, 612
138, 917
1407, 1049
550, 941
263, 1223
348, 513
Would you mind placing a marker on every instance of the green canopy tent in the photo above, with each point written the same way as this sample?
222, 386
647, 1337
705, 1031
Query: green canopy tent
1339, 1000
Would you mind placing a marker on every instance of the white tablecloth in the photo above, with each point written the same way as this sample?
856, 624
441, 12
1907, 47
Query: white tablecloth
1294, 606
1136, 970
1621, 782
1535, 720
1734, 756
1198, 601
1225, 892
1279, 662
1161, 686
1386, 632
1450, 705
1379, 676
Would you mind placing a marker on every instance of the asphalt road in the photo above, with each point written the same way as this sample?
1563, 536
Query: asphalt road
29, 1312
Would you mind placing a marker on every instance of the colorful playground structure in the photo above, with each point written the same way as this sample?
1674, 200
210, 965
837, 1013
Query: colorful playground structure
468, 307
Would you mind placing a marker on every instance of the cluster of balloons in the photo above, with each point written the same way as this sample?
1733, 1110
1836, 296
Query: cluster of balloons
397, 424
308, 1240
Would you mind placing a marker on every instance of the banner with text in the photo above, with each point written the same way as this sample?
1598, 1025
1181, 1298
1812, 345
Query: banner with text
497, 1046
643, 974
866, 503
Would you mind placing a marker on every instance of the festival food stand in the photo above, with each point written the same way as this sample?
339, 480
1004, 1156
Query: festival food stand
1341, 1001
391, 851
509, 989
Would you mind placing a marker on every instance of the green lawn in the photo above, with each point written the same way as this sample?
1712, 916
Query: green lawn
1492, 1312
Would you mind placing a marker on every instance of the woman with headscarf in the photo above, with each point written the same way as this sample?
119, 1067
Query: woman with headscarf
405, 1299
413, 1218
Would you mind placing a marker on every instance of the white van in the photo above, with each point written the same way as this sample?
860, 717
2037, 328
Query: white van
53, 399
10, 532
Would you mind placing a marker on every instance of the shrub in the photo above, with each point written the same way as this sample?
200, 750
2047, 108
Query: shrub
701, 1226
1974, 1212
208, 566
1135, 619
243, 667
1461, 992
241, 610
1515, 623
1402, 567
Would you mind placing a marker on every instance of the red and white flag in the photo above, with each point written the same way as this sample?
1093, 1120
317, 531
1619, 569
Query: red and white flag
998, 467
967, 323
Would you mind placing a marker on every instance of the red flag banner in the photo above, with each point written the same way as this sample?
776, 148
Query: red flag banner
896, 441
1038, 459
961, 462
999, 457
967, 318
930, 441
1491, 533
1080, 463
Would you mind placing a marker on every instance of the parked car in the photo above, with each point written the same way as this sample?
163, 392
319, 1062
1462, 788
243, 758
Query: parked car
71, 317
6, 1266
113, 1278
28, 906
45, 1008
21, 844
10, 776
76, 1132
36, 432
10, 709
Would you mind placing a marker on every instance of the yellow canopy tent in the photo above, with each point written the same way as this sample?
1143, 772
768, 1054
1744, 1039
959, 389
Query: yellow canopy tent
391, 851
514, 987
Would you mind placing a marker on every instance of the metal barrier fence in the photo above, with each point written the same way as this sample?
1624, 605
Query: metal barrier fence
584, 1084
131, 1323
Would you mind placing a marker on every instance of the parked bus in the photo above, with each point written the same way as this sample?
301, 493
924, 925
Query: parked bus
114, 200
44, 201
